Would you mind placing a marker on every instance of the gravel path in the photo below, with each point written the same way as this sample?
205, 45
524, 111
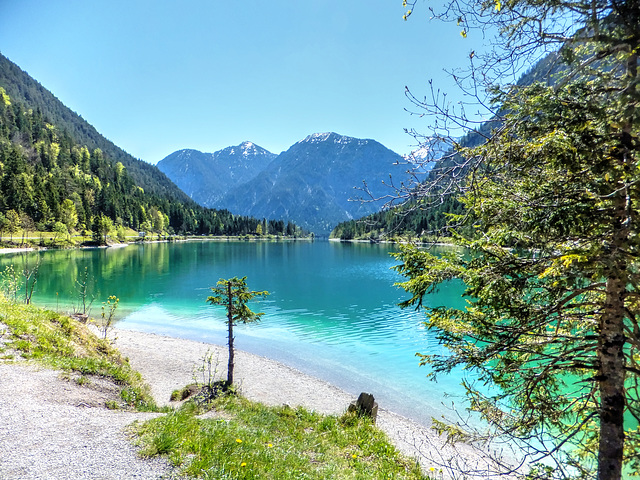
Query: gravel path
52, 428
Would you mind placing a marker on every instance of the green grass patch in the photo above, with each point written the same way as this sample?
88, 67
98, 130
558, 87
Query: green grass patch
249, 440
244, 440
59, 342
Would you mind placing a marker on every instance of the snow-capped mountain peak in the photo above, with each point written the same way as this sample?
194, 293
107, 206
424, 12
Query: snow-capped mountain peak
332, 137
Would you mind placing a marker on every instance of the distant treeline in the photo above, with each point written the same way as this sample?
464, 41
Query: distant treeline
403, 221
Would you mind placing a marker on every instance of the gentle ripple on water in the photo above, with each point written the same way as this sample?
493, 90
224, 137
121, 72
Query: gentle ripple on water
332, 312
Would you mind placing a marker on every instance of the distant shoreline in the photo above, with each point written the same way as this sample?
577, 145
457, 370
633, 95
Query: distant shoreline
16, 250
393, 242
221, 238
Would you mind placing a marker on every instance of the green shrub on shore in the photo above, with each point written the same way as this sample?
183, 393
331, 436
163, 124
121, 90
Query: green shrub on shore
60, 342
240, 439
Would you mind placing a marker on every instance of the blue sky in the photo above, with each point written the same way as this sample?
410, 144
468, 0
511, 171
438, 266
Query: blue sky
158, 76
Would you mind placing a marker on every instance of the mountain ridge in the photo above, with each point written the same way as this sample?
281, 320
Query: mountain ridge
313, 183
204, 177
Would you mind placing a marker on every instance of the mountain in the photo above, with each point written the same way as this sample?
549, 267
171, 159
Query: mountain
314, 182
410, 219
24, 89
206, 177
57, 173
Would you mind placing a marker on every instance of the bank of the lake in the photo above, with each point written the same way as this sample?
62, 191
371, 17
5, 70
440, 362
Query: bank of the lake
168, 363
4, 251
332, 312
55, 428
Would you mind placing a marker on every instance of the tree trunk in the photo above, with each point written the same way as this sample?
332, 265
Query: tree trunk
612, 338
230, 323
611, 383
611, 342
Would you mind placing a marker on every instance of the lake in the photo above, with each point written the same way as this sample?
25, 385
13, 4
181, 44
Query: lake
332, 311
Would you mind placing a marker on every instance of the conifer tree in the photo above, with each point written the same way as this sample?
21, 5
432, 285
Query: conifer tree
552, 275
233, 294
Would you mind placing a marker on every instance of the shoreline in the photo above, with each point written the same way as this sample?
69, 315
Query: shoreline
52, 427
220, 238
16, 250
167, 363
395, 242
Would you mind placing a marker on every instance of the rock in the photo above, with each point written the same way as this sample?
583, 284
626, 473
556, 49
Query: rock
184, 393
80, 317
365, 405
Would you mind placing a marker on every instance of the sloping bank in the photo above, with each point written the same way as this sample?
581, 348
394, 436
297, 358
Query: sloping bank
51, 427
168, 363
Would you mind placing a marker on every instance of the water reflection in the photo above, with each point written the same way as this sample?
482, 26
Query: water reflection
332, 311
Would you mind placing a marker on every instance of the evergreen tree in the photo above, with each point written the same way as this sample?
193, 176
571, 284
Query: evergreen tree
102, 227
68, 215
12, 223
552, 279
234, 295
3, 223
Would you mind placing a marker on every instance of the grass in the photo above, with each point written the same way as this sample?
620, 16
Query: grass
59, 342
248, 440
244, 440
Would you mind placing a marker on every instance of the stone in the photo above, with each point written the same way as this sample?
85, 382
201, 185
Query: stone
366, 405
80, 317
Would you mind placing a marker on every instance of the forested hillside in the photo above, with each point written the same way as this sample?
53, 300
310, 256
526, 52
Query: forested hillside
49, 180
27, 91
404, 220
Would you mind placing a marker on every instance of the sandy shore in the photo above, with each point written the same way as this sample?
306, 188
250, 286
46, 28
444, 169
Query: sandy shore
50, 428
15, 250
168, 363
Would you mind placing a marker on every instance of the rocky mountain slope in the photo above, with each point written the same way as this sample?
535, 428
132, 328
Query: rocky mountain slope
313, 183
206, 177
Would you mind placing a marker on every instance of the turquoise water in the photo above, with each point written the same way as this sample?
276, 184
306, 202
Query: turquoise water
332, 311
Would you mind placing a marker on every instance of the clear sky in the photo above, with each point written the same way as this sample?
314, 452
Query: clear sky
158, 76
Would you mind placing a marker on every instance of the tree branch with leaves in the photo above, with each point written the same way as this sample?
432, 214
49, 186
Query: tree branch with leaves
551, 190
234, 295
